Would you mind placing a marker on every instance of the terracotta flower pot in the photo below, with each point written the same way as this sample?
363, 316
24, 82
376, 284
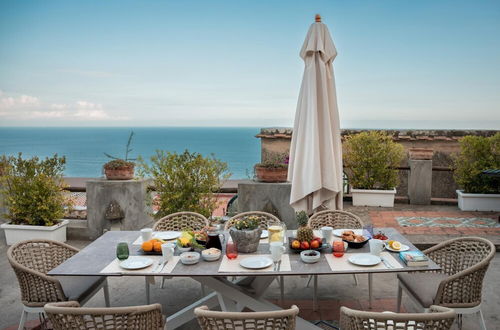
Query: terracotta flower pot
271, 174
421, 153
120, 173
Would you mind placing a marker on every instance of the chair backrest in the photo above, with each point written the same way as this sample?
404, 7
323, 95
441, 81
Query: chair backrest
272, 320
69, 315
439, 318
465, 260
336, 219
31, 261
265, 219
181, 221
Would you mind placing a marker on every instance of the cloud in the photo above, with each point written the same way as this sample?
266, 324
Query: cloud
25, 107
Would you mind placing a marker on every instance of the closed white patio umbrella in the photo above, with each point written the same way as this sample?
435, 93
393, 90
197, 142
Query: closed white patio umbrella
315, 166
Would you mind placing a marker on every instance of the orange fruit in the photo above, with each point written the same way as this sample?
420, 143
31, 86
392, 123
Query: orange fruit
296, 244
157, 246
314, 244
147, 246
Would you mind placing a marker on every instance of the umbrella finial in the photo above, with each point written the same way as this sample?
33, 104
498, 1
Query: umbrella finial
317, 18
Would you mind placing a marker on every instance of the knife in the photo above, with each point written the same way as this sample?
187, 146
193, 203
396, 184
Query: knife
387, 264
163, 266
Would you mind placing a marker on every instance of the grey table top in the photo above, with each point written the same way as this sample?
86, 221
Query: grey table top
98, 254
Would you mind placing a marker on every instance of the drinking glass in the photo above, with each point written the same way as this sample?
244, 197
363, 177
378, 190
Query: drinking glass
338, 249
277, 232
368, 230
122, 251
231, 250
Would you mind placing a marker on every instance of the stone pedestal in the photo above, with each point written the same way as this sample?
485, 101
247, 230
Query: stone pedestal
273, 198
116, 204
420, 181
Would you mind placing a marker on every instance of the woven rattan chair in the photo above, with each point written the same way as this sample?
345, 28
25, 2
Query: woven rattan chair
32, 260
265, 219
178, 222
337, 220
459, 284
439, 318
181, 221
272, 320
69, 315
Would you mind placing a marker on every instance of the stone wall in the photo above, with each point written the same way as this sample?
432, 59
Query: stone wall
443, 142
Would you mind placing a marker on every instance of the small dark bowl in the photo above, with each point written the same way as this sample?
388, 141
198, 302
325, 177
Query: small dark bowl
356, 245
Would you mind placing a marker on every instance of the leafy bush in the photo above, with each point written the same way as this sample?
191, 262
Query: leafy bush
275, 160
184, 182
476, 155
33, 189
371, 158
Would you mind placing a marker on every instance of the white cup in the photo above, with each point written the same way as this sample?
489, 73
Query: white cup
376, 246
327, 233
167, 251
277, 250
146, 234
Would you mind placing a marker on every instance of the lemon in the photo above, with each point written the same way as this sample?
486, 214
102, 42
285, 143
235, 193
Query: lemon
395, 245
276, 237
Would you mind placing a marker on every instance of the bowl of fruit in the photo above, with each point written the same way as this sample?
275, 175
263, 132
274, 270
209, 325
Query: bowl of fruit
153, 246
354, 240
381, 236
299, 246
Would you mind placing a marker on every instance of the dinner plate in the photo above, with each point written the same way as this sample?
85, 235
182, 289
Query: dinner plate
256, 262
265, 234
365, 259
167, 235
338, 232
404, 247
136, 262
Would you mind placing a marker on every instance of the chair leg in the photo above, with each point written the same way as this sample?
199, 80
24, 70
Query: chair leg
459, 321
105, 289
282, 289
355, 279
400, 296
481, 320
147, 290
370, 295
203, 294
24, 315
309, 280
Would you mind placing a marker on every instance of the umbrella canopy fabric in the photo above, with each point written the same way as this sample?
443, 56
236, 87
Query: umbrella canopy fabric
315, 166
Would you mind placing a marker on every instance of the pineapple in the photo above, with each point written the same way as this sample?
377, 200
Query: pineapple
304, 233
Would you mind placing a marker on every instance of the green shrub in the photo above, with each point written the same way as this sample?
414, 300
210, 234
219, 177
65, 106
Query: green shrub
184, 182
371, 158
33, 189
476, 155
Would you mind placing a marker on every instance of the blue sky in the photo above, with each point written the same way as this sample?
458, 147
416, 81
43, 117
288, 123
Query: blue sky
236, 63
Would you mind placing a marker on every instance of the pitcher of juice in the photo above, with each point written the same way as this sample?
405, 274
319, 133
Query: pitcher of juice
214, 238
277, 232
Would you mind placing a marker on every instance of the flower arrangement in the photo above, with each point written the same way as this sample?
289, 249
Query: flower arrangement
247, 223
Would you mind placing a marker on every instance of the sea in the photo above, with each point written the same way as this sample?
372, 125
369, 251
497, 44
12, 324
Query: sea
84, 147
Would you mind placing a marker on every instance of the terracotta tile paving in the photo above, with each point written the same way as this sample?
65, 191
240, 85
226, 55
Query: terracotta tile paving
438, 223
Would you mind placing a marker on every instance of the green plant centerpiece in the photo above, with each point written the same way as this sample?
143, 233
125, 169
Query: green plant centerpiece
183, 182
120, 168
372, 158
33, 190
273, 168
477, 153
246, 233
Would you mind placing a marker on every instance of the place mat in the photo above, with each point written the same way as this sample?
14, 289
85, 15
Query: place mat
343, 264
233, 266
138, 241
114, 266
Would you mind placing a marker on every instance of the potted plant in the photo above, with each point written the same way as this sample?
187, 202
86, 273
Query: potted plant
478, 192
246, 234
371, 158
33, 193
120, 168
274, 168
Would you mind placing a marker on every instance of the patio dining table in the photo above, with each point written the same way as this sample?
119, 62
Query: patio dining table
99, 258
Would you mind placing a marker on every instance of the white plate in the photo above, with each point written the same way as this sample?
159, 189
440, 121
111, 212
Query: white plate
136, 262
404, 247
167, 235
364, 259
256, 262
338, 232
265, 234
